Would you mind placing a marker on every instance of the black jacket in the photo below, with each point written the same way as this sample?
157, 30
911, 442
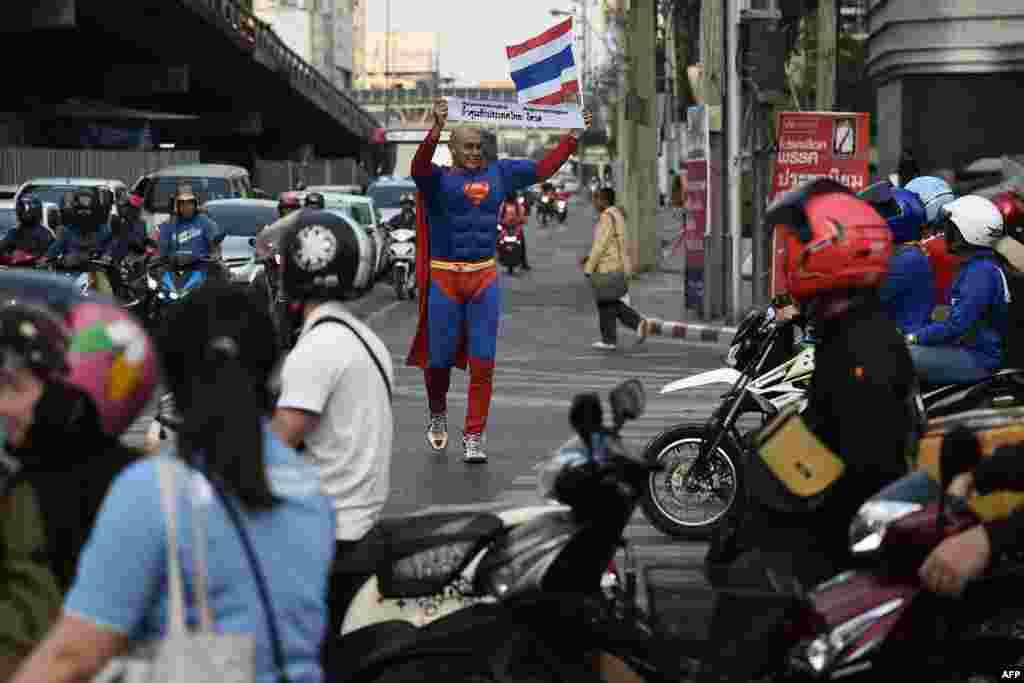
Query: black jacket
860, 406
34, 239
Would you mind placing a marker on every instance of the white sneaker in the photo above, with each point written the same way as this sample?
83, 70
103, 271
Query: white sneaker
604, 346
437, 431
472, 449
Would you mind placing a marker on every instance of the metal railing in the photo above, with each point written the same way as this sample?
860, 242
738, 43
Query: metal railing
401, 98
253, 34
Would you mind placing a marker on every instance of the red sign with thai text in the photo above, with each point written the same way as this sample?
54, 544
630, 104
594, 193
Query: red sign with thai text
696, 212
822, 145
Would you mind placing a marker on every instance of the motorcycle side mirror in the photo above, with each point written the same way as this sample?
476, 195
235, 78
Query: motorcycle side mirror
628, 401
252, 241
960, 453
586, 416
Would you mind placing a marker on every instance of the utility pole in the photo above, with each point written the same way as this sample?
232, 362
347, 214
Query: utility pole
584, 83
712, 39
734, 157
387, 64
827, 29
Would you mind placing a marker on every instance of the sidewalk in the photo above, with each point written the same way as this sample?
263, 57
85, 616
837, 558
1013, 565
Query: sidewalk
659, 294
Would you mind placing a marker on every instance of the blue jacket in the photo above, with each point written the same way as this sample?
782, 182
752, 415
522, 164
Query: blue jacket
73, 240
197, 236
462, 207
980, 312
908, 293
133, 237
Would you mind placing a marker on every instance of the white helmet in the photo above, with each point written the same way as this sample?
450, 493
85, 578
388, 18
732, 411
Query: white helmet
978, 220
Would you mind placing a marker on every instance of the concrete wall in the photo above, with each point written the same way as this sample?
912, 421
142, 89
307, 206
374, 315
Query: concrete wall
947, 76
18, 164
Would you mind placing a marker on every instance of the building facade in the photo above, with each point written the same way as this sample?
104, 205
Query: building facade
320, 31
412, 63
946, 65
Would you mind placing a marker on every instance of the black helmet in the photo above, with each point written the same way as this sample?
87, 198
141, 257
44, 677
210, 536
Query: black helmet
407, 199
322, 257
315, 200
29, 209
84, 208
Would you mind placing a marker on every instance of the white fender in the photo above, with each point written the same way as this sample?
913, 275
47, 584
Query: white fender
369, 607
720, 376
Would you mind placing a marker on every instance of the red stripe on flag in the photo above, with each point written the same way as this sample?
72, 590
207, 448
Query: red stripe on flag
546, 37
558, 96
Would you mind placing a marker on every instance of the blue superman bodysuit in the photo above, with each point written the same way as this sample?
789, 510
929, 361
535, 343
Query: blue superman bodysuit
457, 229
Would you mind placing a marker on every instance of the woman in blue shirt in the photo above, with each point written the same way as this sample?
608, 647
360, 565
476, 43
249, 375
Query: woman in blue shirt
218, 355
969, 345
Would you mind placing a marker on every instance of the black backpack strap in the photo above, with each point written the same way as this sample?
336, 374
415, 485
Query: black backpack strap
376, 360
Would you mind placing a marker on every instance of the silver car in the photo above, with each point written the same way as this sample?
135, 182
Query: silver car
241, 220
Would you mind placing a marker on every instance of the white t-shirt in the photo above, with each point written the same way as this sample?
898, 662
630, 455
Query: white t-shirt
330, 373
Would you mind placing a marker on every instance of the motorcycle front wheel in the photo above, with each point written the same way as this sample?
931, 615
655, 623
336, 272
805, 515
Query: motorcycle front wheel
690, 508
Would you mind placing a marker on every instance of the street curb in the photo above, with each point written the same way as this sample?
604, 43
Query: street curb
710, 334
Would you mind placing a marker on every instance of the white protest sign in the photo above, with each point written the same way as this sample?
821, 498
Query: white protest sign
514, 115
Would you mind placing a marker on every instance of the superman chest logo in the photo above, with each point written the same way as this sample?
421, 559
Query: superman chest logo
476, 192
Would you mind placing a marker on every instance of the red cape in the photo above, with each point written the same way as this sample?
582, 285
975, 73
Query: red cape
419, 355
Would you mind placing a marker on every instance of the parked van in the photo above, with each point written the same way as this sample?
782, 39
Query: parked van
207, 181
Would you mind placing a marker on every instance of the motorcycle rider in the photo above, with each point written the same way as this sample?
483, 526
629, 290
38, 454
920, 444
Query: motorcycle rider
191, 232
336, 388
908, 293
934, 193
315, 200
512, 216
968, 345
86, 231
73, 382
863, 377
406, 219
29, 235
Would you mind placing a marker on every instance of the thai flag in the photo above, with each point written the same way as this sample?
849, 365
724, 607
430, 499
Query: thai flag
543, 68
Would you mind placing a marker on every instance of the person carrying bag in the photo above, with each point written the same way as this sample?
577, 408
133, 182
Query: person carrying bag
608, 267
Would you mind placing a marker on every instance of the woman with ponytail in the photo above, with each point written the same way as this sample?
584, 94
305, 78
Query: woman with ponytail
269, 531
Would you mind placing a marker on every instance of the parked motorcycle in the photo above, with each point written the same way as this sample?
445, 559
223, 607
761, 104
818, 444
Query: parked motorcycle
510, 247
440, 581
704, 463
402, 254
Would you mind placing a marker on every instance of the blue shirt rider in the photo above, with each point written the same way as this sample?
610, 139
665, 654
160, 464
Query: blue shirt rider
29, 235
908, 292
189, 232
85, 231
968, 345
128, 229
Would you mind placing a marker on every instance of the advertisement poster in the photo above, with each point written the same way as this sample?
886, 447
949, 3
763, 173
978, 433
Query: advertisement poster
815, 144
698, 220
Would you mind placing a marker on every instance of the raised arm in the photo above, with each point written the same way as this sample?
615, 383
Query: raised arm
423, 171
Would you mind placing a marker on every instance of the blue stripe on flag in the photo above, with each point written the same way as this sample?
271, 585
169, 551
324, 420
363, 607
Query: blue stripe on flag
549, 69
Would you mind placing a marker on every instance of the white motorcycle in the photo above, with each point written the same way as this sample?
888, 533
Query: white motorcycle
402, 256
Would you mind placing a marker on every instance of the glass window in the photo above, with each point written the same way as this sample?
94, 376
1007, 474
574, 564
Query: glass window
52, 193
162, 191
362, 214
390, 197
240, 220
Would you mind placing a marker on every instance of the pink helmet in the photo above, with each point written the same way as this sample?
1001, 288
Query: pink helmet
112, 359
95, 347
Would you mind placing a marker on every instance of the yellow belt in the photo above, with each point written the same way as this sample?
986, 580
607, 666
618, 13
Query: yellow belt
462, 266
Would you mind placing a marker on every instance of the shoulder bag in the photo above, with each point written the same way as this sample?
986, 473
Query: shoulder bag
609, 287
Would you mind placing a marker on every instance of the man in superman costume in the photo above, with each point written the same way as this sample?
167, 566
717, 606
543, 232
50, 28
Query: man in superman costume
456, 238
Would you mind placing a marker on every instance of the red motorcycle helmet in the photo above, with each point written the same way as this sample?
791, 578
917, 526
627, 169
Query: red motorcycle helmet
1011, 205
288, 202
826, 240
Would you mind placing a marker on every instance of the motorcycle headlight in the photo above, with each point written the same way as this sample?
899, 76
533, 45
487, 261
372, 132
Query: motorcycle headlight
544, 200
840, 645
869, 526
174, 296
151, 283
561, 205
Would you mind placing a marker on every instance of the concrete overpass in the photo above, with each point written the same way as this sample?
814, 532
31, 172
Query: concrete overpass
948, 77
210, 59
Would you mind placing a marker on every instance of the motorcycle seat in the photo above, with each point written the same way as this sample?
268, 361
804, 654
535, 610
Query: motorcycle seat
956, 398
419, 555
